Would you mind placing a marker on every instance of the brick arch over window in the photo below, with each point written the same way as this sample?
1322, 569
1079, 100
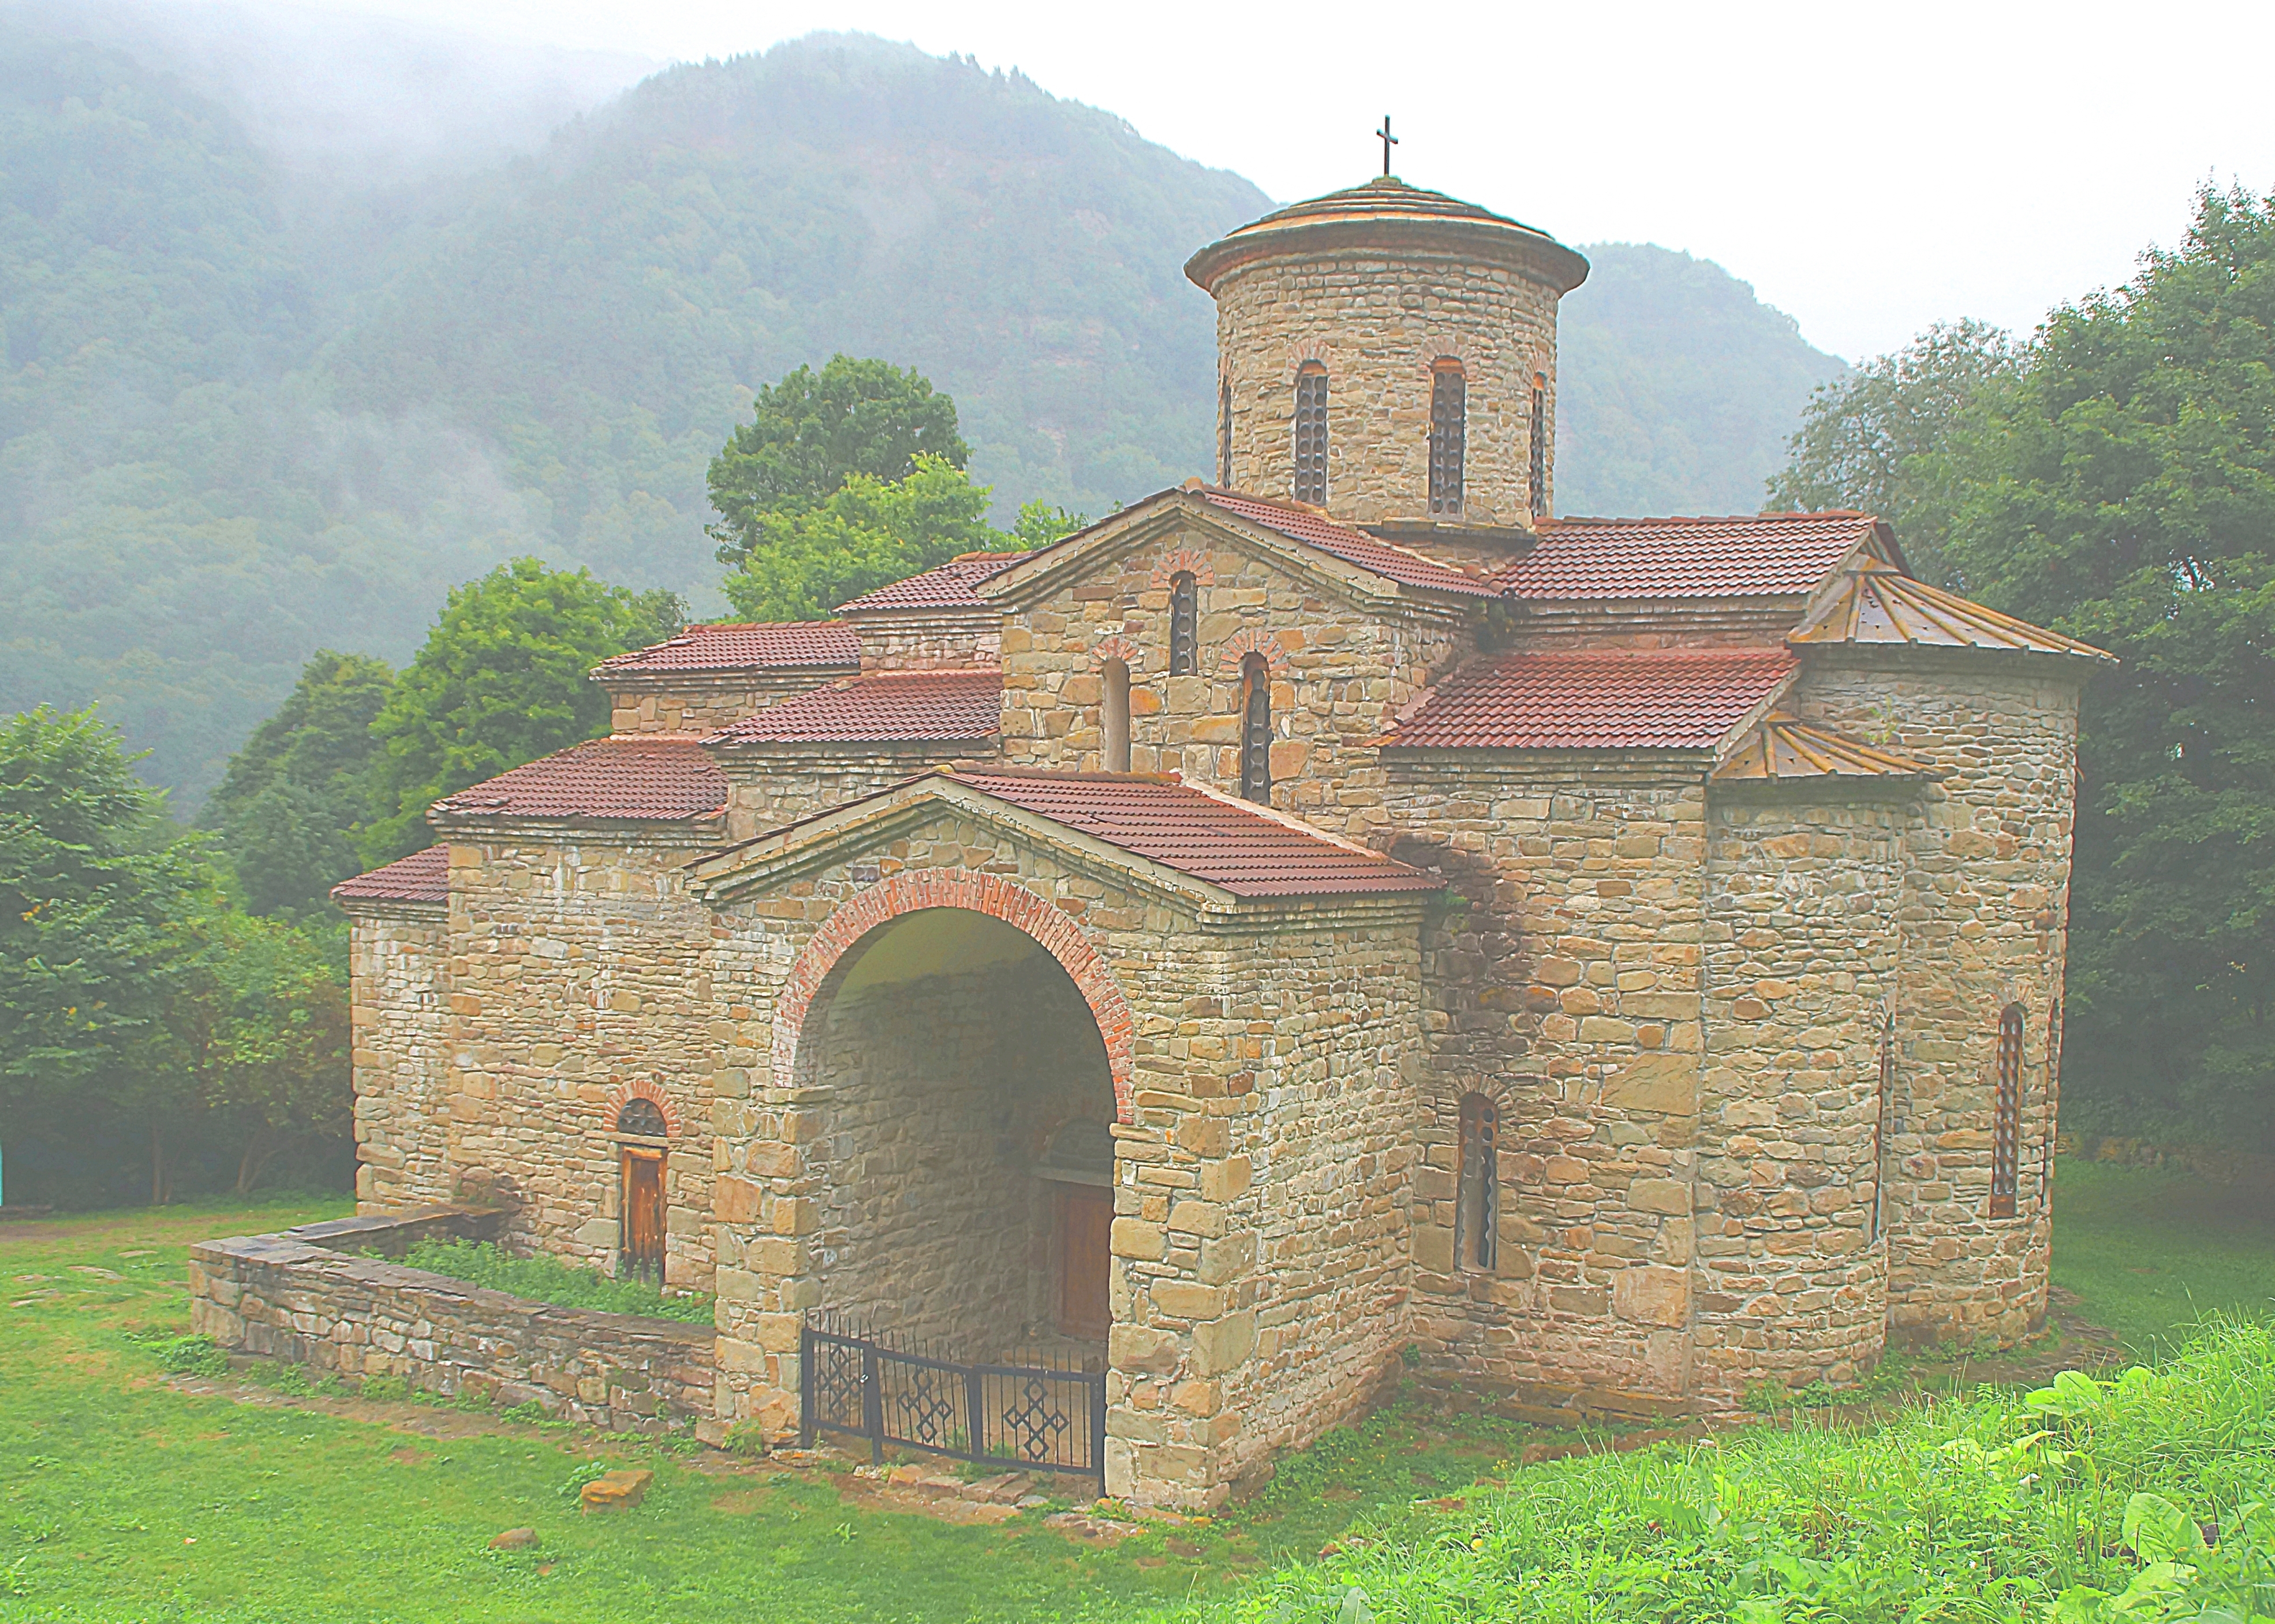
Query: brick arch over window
644, 1088
1251, 640
1183, 561
992, 894
1118, 647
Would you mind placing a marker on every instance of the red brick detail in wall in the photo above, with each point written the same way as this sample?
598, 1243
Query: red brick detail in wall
992, 894
1118, 647
1251, 640
1183, 561
643, 1088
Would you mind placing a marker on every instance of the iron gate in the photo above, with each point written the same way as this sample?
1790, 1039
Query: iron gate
1019, 1416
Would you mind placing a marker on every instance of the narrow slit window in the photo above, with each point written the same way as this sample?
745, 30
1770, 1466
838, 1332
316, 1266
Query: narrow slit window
1185, 624
2006, 1113
1224, 433
1113, 719
1883, 1124
1255, 728
1449, 407
1311, 434
1537, 472
1476, 1220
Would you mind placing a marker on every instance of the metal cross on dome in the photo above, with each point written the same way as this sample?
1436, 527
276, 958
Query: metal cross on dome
1388, 142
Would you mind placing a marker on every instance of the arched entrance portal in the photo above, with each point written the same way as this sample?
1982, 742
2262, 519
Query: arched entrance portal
967, 1160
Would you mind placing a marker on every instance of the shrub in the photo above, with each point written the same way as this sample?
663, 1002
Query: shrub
193, 1355
549, 1279
383, 1389
747, 1438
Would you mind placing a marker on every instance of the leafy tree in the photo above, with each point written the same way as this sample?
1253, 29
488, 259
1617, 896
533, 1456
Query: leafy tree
868, 534
99, 906
2120, 486
288, 806
813, 431
1873, 440
501, 680
272, 1039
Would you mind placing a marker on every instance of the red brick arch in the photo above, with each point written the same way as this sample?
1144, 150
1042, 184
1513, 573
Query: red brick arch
1251, 640
642, 1088
992, 894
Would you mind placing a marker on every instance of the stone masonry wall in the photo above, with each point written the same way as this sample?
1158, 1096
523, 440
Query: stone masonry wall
397, 983
1340, 674
776, 784
906, 640
1185, 1309
578, 981
1802, 954
704, 704
1564, 982
1377, 322
290, 1297
1985, 906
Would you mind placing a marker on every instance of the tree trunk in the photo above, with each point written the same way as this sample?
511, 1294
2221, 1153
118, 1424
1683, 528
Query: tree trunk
259, 1151
158, 1165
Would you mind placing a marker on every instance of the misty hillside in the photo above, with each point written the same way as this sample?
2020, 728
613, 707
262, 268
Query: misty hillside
262, 395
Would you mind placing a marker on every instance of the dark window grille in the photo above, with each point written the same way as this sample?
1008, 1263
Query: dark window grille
643, 1117
2006, 1113
1224, 434
1477, 1220
1185, 624
1450, 409
1538, 472
1256, 728
1311, 434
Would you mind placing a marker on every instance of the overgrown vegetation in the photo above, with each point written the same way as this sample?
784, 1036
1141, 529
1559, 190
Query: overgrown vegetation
546, 1278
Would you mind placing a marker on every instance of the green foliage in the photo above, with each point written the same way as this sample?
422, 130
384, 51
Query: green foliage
503, 679
1876, 439
2116, 481
273, 1050
193, 1355
546, 1278
810, 431
384, 1389
1677, 387
868, 534
289, 804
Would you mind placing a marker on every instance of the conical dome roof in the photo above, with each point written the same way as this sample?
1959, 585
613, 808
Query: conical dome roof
1387, 213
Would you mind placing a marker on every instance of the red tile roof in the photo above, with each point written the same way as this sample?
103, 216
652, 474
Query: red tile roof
887, 707
1750, 555
947, 586
1246, 849
1351, 546
1606, 699
422, 877
734, 645
647, 777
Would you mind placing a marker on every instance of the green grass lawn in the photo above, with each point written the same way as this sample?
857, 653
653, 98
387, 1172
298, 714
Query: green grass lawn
123, 1499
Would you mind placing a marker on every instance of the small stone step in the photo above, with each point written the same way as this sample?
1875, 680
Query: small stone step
617, 1491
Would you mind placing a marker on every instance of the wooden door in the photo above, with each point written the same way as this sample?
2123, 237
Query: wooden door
643, 1248
1085, 1227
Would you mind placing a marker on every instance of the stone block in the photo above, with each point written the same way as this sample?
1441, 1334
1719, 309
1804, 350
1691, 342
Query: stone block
1662, 1082
1652, 1295
1224, 1344
1659, 1196
735, 1201
1187, 1299
1145, 1350
1135, 1238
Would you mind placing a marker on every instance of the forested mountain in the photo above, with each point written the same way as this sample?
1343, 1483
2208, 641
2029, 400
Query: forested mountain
262, 397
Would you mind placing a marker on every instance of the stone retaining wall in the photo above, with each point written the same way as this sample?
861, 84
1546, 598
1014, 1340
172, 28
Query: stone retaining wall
297, 1295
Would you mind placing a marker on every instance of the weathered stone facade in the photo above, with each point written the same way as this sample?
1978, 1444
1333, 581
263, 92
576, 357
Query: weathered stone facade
1561, 1011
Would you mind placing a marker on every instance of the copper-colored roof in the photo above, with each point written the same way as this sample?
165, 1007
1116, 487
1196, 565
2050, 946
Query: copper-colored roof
1876, 604
422, 877
1784, 747
1595, 700
645, 777
1351, 546
1387, 211
1748, 556
734, 645
891, 707
945, 586
1246, 849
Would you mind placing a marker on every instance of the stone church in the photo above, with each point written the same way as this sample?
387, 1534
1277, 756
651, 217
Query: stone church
1337, 913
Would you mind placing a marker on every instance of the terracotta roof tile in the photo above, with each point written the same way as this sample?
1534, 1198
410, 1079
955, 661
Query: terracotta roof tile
1247, 851
887, 707
647, 777
1598, 699
945, 586
1354, 547
734, 646
1750, 555
422, 877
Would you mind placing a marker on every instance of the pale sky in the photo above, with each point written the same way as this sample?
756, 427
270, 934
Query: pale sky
1869, 169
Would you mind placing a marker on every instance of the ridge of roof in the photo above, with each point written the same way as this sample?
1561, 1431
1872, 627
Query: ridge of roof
740, 644
423, 877
1674, 699
626, 777
951, 706
1314, 528
1781, 747
1877, 605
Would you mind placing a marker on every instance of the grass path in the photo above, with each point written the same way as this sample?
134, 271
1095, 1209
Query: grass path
124, 1499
